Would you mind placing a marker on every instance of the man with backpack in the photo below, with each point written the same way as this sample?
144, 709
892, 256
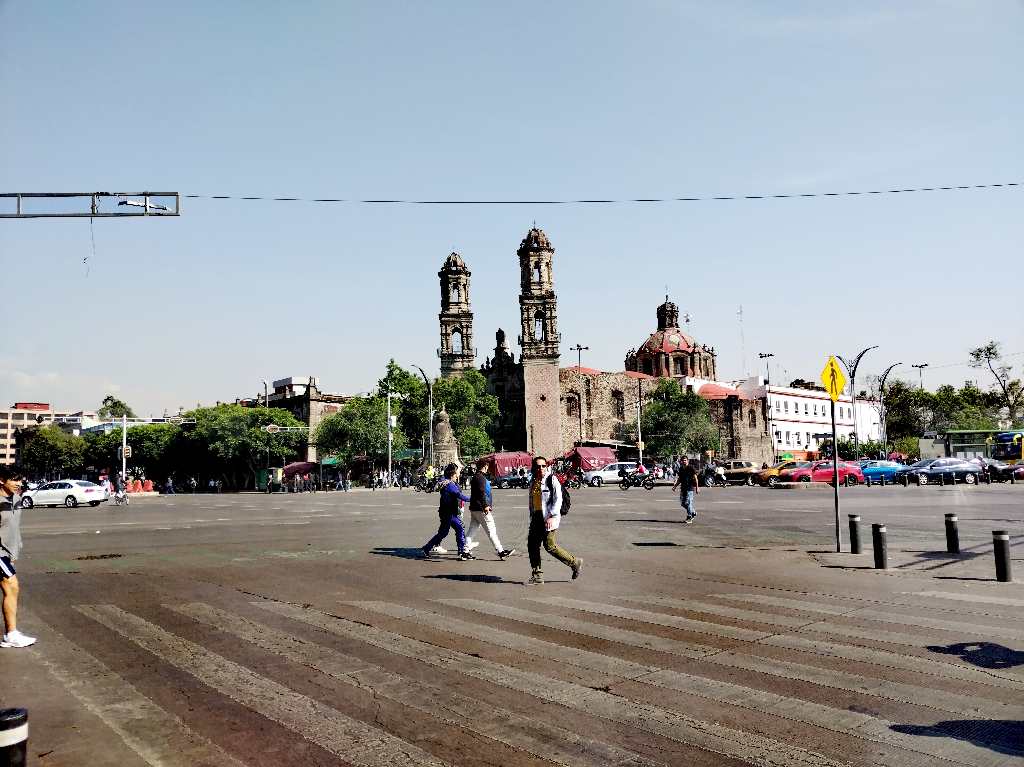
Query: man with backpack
480, 501
548, 502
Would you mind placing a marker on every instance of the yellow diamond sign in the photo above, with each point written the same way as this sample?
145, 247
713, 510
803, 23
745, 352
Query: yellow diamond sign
833, 379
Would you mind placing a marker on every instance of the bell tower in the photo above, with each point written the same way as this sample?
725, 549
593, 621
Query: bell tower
456, 318
540, 342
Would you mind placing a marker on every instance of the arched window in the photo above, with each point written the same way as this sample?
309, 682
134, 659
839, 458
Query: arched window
752, 418
648, 367
455, 296
537, 273
538, 325
457, 341
678, 362
619, 405
572, 405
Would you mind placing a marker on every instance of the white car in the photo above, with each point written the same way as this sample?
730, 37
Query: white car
609, 473
65, 492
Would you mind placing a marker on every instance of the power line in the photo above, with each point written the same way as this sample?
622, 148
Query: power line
624, 201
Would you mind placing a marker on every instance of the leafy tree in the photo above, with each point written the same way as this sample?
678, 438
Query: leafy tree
151, 449
475, 442
1009, 392
112, 407
677, 422
50, 451
908, 446
358, 429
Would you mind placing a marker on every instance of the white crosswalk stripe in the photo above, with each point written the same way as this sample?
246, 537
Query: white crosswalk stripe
350, 739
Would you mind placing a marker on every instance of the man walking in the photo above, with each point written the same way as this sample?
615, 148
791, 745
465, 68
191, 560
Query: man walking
687, 481
448, 514
545, 516
480, 512
10, 547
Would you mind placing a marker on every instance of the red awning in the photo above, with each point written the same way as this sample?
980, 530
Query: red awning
500, 464
300, 467
589, 458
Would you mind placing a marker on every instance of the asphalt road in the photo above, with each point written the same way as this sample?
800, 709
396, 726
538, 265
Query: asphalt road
301, 629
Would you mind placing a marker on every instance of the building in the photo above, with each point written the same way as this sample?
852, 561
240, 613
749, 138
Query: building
301, 396
457, 352
800, 415
23, 414
671, 353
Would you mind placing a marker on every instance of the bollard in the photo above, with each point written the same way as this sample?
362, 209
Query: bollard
1013, 476
855, 547
878, 543
1001, 549
882, 478
942, 479
867, 481
952, 534
13, 737
904, 480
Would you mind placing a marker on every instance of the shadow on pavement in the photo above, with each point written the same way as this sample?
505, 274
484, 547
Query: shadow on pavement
1004, 736
661, 521
983, 654
659, 543
470, 578
402, 553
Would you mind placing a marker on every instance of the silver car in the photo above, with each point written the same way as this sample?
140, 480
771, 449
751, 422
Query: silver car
609, 473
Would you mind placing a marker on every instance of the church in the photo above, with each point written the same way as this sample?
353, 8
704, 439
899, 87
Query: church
547, 409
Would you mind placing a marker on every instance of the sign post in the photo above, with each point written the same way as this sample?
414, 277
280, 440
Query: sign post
834, 381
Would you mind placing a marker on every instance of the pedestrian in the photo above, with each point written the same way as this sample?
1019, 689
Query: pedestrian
481, 512
192, 484
448, 516
169, 488
545, 515
689, 487
10, 546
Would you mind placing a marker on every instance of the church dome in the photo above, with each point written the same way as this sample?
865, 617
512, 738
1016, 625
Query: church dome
454, 263
535, 239
669, 340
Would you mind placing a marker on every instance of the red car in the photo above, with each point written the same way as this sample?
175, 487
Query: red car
849, 473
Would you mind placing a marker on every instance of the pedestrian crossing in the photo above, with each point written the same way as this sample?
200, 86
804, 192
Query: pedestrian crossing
764, 677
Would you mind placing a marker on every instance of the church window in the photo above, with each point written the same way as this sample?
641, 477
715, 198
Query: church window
455, 296
752, 418
538, 326
587, 385
678, 362
537, 273
648, 367
457, 341
572, 405
619, 405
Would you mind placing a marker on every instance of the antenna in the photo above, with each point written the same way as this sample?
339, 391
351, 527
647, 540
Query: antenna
743, 343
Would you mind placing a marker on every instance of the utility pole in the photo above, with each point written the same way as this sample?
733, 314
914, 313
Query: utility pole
430, 412
767, 401
851, 368
920, 374
266, 406
579, 366
639, 417
124, 448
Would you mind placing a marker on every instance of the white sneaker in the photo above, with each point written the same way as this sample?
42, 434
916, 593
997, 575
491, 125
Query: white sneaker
471, 545
17, 639
438, 550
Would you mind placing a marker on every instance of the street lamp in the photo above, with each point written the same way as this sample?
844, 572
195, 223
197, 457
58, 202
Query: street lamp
881, 405
430, 412
579, 400
920, 375
768, 404
266, 406
851, 368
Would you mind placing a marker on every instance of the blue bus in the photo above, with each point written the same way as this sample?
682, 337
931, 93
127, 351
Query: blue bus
1006, 446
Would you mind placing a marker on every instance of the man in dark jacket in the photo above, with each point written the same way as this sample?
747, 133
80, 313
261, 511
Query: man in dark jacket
448, 514
481, 513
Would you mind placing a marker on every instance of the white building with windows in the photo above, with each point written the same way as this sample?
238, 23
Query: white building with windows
798, 416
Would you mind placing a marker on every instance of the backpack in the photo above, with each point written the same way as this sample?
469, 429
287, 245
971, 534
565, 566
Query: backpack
566, 498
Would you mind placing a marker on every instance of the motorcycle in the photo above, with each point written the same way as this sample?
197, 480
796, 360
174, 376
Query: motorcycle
711, 478
646, 481
120, 498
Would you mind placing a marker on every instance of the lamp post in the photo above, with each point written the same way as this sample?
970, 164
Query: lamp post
920, 374
768, 404
881, 405
430, 412
579, 366
266, 405
851, 368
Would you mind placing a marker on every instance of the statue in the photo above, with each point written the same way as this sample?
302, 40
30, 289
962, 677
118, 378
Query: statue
446, 447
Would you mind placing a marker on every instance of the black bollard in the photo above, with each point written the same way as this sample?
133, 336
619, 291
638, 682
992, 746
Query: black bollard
882, 478
1013, 476
1001, 548
867, 481
855, 547
942, 479
878, 543
952, 534
904, 480
13, 737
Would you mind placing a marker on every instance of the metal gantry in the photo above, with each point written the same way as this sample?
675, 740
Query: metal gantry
126, 204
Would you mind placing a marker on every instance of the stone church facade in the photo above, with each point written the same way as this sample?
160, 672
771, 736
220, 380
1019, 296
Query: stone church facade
545, 409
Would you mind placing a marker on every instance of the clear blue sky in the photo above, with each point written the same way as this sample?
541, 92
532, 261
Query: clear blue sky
509, 101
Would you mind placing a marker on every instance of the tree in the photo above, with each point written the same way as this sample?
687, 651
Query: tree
49, 451
151, 446
112, 408
1009, 392
359, 429
677, 422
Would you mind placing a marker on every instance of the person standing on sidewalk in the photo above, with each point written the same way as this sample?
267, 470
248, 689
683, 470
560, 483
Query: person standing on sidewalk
686, 480
10, 547
449, 516
480, 512
545, 515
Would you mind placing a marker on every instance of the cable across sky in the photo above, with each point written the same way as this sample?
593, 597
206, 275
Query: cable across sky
623, 201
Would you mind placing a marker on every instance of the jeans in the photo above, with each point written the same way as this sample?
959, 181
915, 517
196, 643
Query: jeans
686, 501
485, 520
538, 536
447, 522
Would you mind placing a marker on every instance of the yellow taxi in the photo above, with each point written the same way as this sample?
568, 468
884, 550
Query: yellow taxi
768, 477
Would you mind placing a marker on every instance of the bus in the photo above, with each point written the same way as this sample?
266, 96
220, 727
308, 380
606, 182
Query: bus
1006, 446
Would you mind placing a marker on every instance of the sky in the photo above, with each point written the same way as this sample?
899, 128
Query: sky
504, 101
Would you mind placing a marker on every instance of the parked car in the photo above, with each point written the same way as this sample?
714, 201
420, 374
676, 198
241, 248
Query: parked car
769, 477
514, 479
936, 469
609, 473
65, 492
740, 472
875, 470
849, 473
999, 471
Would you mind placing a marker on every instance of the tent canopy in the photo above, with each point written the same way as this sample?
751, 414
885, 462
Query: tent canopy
590, 458
500, 464
300, 467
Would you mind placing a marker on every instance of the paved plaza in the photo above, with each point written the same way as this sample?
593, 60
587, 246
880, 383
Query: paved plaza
303, 630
